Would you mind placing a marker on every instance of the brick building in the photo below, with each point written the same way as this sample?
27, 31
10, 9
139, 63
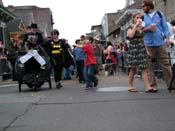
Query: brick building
166, 6
5, 17
114, 25
96, 32
108, 25
33, 14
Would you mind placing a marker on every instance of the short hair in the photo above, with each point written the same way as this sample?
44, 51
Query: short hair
149, 3
90, 38
77, 41
172, 22
109, 43
82, 36
55, 31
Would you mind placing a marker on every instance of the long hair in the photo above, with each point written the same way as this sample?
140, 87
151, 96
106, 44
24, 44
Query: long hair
134, 15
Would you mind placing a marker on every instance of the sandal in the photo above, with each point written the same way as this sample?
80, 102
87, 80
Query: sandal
155, 90
149, 91
133, 90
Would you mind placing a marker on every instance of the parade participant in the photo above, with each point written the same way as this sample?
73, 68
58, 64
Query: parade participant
32, 52
156, 34
34, 32
137, 53
90, 62
58, 52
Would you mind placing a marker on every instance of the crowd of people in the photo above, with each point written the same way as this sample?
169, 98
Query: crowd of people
148, 37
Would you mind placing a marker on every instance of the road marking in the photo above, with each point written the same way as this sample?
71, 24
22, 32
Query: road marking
112, 89
8, 85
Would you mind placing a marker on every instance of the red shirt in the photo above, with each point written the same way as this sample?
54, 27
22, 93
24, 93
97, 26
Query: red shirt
89, 53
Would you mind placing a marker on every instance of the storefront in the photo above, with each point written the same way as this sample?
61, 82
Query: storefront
5, 17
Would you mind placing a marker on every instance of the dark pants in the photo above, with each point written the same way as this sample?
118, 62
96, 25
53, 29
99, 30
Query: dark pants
57, 72
80, 69
12, 62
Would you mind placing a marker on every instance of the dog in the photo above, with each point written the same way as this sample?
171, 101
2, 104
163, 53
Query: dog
109, 69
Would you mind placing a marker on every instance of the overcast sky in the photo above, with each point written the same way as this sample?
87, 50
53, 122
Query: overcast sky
74, 18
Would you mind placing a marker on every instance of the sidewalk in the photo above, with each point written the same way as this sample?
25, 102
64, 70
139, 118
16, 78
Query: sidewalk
7, 82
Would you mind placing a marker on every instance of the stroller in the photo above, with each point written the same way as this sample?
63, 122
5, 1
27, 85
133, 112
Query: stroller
31, 73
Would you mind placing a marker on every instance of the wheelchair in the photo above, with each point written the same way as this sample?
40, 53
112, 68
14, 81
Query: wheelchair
31, 73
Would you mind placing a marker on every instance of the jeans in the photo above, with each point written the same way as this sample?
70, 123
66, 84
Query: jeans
67, 74
89, 74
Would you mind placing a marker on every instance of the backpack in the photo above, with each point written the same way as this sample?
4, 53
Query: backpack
160, 15
158, 12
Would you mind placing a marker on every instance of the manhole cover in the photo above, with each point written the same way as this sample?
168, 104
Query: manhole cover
112, 89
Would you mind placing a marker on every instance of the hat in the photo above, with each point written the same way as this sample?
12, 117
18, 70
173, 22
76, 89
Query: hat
34, 26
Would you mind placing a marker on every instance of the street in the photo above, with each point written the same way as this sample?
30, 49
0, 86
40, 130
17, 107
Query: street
110, 107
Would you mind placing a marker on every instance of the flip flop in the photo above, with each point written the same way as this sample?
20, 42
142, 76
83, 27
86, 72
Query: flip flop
149, 91
155, 90
133, 90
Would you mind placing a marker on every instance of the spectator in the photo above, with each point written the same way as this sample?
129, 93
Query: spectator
156, 46
12, 55
137, 53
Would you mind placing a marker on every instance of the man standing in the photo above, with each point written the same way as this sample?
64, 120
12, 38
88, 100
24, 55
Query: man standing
156, 38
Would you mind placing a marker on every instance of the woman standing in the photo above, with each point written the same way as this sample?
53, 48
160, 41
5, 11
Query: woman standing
137, 53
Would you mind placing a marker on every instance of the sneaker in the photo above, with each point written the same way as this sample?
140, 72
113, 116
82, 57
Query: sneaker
96, 83
88, 87
58, 85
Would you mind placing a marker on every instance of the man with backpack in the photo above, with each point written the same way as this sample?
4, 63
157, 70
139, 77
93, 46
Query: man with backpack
156, 38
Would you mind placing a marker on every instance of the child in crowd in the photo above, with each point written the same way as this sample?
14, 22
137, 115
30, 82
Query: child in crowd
90, 63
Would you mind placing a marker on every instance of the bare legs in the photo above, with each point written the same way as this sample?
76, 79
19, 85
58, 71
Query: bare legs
144, 77
131, 79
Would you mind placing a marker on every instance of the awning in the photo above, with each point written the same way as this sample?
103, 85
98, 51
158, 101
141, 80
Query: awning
16, 25
114, 32
6, 15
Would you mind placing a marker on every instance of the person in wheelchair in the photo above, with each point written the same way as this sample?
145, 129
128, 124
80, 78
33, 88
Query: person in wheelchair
33, 68
32, 53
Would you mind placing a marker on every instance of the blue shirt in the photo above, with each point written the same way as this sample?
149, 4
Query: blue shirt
155, 38
79, 54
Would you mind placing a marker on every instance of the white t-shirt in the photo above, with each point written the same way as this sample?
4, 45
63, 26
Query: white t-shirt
151, 14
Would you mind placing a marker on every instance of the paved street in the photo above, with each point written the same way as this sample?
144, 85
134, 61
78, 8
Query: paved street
110, 107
